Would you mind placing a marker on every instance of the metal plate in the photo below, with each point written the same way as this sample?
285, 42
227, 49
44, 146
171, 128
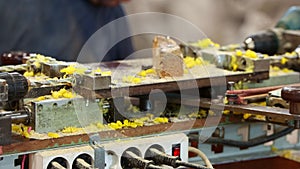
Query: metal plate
5, 130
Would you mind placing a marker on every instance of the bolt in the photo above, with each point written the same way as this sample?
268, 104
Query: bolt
97, 73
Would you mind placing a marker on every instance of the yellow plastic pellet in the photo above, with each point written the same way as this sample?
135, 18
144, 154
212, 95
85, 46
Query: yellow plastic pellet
68, 70
40, 98
71, 129
284, 60
106, 73
158, 120
29, 74
142, 73
100, 125
238, 53
150, 71
136, 80
56, 94
98, 70
251, 54
53, 135
226, 112
246, 116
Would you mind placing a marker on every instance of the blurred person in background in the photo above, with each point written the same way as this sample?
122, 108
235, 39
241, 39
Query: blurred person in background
58, 28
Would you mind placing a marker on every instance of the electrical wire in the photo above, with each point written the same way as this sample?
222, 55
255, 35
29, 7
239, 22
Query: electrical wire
252, 142
161, 158
23, 162
135, 161
201, 155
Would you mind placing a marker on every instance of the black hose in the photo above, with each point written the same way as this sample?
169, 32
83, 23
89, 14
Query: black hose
252, 142
161, 158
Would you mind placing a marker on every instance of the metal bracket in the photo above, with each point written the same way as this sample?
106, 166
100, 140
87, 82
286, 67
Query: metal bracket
99, 161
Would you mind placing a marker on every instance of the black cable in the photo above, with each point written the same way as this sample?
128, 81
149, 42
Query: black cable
161, 158
252, 142
135, 161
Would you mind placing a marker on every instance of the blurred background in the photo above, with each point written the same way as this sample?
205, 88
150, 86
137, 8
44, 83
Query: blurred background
223, 21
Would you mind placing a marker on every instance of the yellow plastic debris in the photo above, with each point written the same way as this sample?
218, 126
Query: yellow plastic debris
142, 73
71, 129
40, 98
68, 70
53, 135
238, 53
251, 54
29, 74
159, 120
150, 71
100, 125
205, 43
106, 73
62, 93
247, 115
226, 112
233, 63
21, 129
284, 60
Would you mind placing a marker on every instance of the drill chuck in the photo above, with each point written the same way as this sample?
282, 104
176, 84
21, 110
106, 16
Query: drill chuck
266, 42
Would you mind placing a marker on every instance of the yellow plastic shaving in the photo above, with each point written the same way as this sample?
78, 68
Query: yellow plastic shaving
21, 129
40, 98
106, 73
251, 54
238, 53
29, 74
203, 113
115, 126
191, 61
275, 68
226, 112
71, 129
274, 149
233, 63
284, 60
142, 73
247, 115
287, 154
56, 94
290, 53
62, 93
150, 71
53, 135
205, 43
286, 70
68, 70
136, 80
132, 79
98, 70
211, 113
159, 120
100, 125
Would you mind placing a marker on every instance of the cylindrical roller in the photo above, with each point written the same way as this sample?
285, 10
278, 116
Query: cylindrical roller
292, 94
17, 85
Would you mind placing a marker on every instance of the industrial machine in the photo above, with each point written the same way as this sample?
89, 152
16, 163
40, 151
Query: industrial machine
223, 105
